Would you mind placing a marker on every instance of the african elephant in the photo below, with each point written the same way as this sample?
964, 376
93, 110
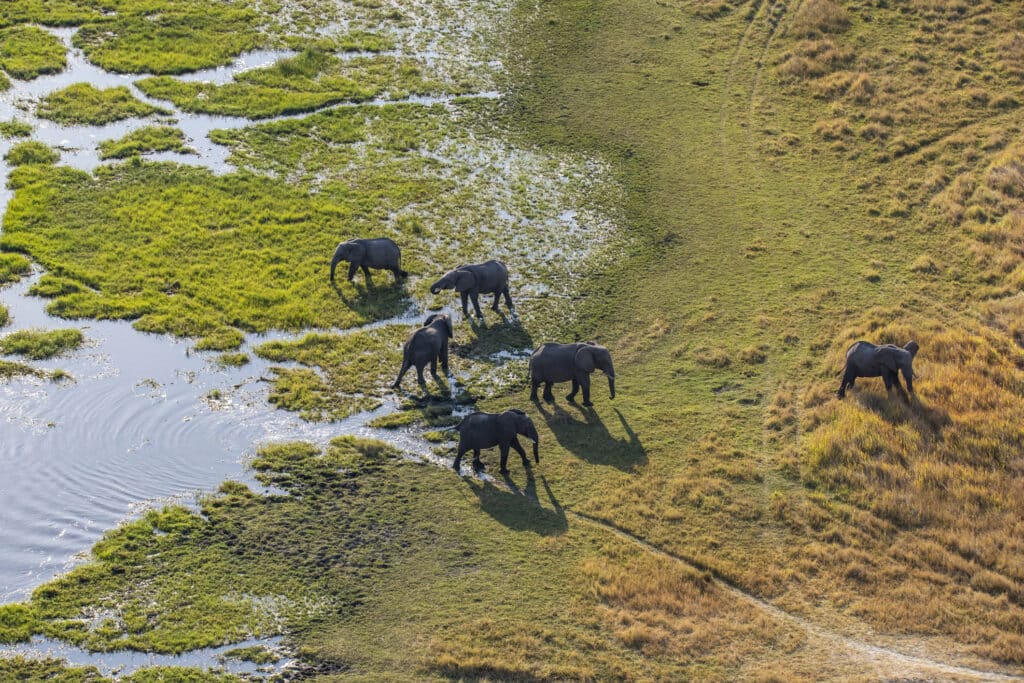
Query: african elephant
486, 430
473, 280
552, 363
426, 345
865, 359
380, 252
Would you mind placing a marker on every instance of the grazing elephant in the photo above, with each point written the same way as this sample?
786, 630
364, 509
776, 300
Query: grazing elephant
381, 253
865, 359
487, 430
473, 280
552, 363
426, 345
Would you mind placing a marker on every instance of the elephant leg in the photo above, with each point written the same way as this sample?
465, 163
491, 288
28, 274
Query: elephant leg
508, 300
571, 396
887, 378
548, 396
585, 386
465, 304
458, 458
444, 360
894, 379
497, 297
519, 449
504, 458
419, 375
352, 268
401, 374
478, 464
397, 272
366, 274
475, 298
433, 366
848, 376
534, 384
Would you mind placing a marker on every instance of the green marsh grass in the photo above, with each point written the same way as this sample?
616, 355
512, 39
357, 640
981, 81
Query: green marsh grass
13, 267
311, 80
15, 129
41, 344
144, 141
27, 52
85, 104
31, 152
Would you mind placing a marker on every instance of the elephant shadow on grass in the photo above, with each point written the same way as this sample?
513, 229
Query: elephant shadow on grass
375, 302
520, 509
506, 335
589, 438
929, 420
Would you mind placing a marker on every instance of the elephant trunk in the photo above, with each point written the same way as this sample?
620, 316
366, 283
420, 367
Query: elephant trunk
533, 436
334, 264
611, 385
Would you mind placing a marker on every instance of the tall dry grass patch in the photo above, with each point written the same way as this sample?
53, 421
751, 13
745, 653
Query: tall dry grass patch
936, 545
819, 17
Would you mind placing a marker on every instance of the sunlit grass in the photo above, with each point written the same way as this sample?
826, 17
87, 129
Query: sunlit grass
83, 103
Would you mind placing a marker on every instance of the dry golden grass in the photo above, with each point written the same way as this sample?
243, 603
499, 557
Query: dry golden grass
818, 17
924, 512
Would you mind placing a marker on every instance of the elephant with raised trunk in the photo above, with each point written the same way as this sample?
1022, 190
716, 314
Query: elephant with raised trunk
379, 253
487, 430
426, 345
552, 363
473, 280
864, 359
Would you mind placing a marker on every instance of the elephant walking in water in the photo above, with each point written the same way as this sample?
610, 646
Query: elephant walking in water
552, 363
473, 280
864, 359
426, 345
487, 430
380, 253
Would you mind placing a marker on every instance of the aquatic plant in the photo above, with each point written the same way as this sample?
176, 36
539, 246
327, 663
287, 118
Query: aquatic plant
41, 344
311, 80
83, 103
13, 267
27, 52
145, 140
15, 129
31, 152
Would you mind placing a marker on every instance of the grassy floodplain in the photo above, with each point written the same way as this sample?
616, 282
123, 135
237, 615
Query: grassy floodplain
144, 141
791, 177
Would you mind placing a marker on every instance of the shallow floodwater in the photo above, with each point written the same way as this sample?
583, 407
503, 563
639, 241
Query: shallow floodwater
125, 661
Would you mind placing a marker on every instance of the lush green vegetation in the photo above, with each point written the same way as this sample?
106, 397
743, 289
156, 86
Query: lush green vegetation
311, 80
15, 129
83, 103
13, 267
145, 140
41, 344
789, 177
54, 671
27, 52
9, 369
31, 152
5, 316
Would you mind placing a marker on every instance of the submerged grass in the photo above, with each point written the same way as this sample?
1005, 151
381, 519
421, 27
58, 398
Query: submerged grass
41, 344
311, 80
146, 140
27, 52
85, 104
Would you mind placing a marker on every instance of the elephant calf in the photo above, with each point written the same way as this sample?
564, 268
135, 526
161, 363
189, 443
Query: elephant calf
380, 253
427, 345
487, 430
865, 359
473, 280
552, 363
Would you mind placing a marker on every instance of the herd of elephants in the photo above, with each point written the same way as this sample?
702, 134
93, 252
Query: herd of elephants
550, 362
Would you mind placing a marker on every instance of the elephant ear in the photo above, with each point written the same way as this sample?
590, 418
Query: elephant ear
357, 251
585, 359
464, 280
